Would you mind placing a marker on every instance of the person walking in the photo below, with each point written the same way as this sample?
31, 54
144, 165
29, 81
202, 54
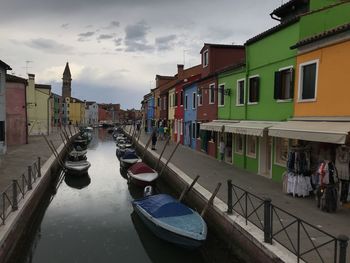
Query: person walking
222, 149
154, 139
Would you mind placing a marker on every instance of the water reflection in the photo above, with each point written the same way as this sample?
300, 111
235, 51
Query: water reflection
94, 223
77, 182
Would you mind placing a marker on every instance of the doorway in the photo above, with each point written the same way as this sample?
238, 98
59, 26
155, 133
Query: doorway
265, 156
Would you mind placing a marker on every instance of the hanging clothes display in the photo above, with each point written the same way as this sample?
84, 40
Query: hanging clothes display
327, 195
298, 180
342, 162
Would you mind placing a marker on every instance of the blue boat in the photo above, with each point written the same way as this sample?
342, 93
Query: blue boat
171, 220
129, 158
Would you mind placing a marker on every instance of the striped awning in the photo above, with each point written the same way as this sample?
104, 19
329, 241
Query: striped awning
254, 128
318, 131
213, 126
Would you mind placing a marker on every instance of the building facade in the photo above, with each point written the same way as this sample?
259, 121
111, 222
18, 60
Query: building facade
3, 69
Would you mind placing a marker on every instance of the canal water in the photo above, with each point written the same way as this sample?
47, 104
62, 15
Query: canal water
91, 220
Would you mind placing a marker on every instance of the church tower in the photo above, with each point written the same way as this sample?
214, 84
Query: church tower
67, 81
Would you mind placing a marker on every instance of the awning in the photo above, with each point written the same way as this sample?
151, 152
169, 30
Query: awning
212, 126
331, 132
254, 128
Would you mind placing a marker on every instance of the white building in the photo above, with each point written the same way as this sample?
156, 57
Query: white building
91, 113
3, 68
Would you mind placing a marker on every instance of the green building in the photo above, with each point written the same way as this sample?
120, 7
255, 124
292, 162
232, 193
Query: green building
262, 90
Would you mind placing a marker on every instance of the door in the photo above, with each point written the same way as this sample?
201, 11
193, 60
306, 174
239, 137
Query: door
228, 147
265, 156
178, 130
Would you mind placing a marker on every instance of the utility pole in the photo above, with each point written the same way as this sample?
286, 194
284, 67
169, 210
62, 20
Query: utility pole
27, 65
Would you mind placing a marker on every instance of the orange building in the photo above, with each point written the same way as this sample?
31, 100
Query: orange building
322, 82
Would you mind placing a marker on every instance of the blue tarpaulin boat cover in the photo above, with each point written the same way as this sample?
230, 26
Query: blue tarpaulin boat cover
163, 205
129, 154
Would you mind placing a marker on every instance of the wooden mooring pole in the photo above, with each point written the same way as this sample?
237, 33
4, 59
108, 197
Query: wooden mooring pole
210, 202
188, 188
161, 154
171, 156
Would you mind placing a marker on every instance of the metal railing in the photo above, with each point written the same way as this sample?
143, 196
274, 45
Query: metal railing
307, 242
17, 190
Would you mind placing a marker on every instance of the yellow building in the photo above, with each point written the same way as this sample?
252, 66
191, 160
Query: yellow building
77, 111
38, 107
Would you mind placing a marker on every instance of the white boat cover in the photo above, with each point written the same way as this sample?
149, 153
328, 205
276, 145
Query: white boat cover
318, 131
254, 128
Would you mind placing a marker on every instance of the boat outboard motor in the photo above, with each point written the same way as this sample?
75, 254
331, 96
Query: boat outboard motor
148, 191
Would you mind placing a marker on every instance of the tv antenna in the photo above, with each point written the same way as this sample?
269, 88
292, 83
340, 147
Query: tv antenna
27, 65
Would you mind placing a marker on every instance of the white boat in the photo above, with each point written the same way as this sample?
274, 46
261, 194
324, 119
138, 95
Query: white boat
78, 167
141, 174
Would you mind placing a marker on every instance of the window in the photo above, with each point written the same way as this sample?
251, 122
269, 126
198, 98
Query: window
221, 94
198, 129
239, 142
200, 97
170, 101
164, 103
158, 102
193, 130
181, 98
175, 99
212, 93
251, 146
284, 84
2, 131
308, 80
205, 58
240, 92
186, 102
281, 150
194, 100
253, 89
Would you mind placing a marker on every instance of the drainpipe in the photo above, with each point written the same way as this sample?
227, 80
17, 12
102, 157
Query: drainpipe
25, 109
246, 98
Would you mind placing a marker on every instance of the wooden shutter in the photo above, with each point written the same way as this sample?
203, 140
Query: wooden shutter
278, 82
291, 95
257, 87
2, 131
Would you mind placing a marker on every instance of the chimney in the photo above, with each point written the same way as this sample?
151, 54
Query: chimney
31, 89
180, 71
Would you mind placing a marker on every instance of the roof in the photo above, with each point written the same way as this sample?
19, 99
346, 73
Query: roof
66, 72
165, 77
4, 65
42, 86
221, 46
56, 95
286, 8
272, 30
77, 100
15, 79
231, 67
323, 35
90, 102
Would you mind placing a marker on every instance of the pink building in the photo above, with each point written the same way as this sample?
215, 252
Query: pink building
16, 115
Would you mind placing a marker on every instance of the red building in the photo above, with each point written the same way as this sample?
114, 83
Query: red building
214, 58
16, 115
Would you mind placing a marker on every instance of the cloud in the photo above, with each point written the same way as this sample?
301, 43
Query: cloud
48, 46
135, 37
85, 36
165, 43
65, 26
112, 24
118, 41
105, 36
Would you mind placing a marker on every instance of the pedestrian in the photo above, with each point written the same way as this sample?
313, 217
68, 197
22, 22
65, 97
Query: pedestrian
161, 132
222, 149
154, 139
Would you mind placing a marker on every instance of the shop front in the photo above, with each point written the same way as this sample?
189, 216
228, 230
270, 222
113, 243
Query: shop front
316, 161
209, 139
252, 147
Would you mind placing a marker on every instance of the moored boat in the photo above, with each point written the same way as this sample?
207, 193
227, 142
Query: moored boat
141, 174
129, 158
171, 220
77, 167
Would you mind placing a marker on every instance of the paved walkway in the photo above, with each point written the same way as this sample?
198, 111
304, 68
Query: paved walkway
15, 162
212, 171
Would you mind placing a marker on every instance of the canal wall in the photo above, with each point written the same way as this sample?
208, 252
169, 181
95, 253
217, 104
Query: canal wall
232, 228
19, 221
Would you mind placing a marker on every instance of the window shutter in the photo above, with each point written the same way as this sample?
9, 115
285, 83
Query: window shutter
277, 91
291, 95
257, 87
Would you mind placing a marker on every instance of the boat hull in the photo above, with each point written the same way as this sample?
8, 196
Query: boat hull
167, 235
139, 180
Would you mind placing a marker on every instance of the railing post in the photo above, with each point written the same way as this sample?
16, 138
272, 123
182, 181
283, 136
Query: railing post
29, 178
229, 196
14, 195
267, 221
343, 244
39, 167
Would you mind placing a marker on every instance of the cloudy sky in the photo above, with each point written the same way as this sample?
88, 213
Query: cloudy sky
116, 47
